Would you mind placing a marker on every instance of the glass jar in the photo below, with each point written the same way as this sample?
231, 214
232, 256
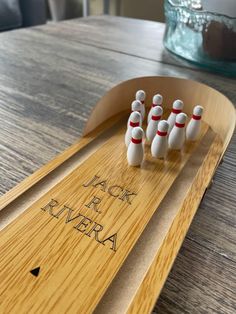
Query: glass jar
205, 38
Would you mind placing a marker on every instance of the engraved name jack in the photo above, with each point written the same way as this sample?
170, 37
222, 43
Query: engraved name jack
83, 223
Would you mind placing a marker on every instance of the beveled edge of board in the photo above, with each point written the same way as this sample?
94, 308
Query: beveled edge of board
178, 230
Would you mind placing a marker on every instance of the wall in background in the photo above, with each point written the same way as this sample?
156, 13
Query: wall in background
141, 9
148, 9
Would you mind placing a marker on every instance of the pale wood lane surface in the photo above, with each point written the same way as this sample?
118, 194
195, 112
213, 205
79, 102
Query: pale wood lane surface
50, 79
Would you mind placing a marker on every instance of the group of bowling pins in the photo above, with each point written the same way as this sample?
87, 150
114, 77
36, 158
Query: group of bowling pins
160, 133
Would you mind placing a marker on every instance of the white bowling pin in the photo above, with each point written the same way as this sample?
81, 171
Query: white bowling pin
141, 95
134, 121
135, 150
194, 126
156, 101
153, 123
159, 144
177, 134
176, 109
136, 106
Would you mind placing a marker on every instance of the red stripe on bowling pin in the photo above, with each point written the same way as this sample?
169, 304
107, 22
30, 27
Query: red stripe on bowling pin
133, 124
196, 117
156, 118
176, 110
179, 125
161, 133
136, 141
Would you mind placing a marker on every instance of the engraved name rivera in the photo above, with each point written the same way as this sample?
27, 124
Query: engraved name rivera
84, 224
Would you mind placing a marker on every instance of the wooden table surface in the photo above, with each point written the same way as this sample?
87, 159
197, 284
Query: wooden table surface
50, 79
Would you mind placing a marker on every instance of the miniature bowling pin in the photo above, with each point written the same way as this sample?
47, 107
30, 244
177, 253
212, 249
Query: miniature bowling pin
156, 101
159, 144
141, 95
194, 125
177, 134
135, 150
176, 109
136, 106
134, 121
157, 112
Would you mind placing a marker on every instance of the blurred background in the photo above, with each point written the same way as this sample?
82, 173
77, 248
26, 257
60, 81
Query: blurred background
200, 31
25, 13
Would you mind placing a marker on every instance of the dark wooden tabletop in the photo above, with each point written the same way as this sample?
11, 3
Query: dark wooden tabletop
50, 79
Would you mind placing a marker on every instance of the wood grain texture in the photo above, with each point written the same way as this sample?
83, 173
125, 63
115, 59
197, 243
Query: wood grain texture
48, 86
215, 225
39, 174
150, 184
110, 33
201, 281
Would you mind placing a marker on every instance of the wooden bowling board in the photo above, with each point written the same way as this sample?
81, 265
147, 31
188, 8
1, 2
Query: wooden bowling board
62, 253
86, 232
